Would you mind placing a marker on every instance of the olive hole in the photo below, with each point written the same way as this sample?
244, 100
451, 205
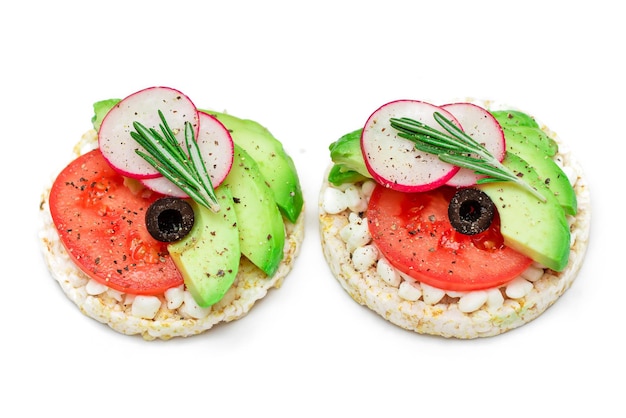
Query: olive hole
470, 211
169, 219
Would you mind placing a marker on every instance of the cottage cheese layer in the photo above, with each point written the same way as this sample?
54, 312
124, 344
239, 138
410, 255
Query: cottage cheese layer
173, 314
371, 281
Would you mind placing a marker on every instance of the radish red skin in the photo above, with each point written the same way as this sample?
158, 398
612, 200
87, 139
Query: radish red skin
217, 149
114, 139
393, 161
478, 123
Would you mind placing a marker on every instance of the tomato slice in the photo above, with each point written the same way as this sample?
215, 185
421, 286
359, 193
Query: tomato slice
101, 223
414, 234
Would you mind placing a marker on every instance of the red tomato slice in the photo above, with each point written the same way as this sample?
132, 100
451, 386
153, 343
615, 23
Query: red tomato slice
414, 234
101, 223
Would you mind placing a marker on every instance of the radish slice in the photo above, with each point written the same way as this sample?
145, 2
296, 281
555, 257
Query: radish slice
393, 161
114, 139
164, 186
478, 123
217, 150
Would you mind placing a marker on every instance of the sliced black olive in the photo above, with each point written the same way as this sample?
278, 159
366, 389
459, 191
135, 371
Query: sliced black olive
471, 211
169, 219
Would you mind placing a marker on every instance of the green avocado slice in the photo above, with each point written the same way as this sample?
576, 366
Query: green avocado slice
536, 136
514, 118
260, 223
547, 170
208, 257
534, 228
274, 163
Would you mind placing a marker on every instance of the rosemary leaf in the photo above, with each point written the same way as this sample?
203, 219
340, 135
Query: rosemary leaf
199, 167
465, 139
420, 132
431, 149
168, 157
184, 186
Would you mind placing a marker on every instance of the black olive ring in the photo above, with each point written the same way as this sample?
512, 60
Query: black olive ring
471, 211
169, 219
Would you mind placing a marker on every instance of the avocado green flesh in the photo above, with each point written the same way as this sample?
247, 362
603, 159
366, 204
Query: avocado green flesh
260, 223
547, 170
274, 163
208, 257
346, 151
100, 110
514, 118
539, 138
532, 227
339, 174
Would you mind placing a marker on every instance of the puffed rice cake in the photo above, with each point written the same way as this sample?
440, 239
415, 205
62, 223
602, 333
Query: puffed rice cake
187, 319
435, 312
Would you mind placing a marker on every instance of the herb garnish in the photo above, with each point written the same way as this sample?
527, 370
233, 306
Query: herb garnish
185, 170
457, 148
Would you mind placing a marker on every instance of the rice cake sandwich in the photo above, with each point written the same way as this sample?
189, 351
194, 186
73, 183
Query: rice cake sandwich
462, 220
171, 219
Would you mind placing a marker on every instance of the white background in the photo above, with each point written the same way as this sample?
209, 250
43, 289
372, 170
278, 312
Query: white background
310, 72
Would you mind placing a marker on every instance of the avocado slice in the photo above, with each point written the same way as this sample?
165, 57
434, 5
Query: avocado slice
208, 257
100, 110
548, 171
274, 163
514, 118
346, 151
349, 165
260, 223
539, 138
532, 227
340, 174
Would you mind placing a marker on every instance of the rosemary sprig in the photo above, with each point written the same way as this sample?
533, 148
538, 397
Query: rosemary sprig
457, 148
185, 170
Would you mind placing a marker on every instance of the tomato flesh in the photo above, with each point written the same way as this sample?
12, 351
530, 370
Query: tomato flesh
413, 232
101, 223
